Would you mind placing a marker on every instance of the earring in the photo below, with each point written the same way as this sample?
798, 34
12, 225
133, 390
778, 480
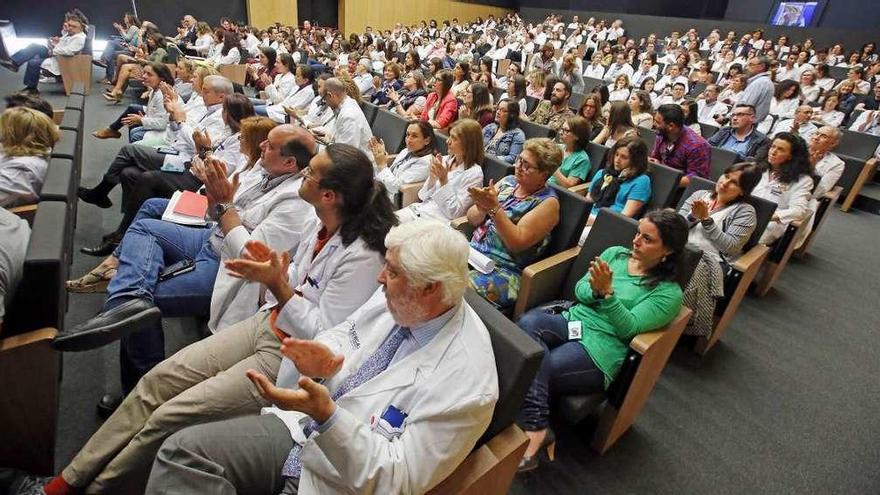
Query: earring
663, 260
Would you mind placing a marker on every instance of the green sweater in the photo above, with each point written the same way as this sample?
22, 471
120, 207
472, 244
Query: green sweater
609, 325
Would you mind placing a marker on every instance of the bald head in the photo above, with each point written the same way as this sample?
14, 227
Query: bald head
803, 113
287, 149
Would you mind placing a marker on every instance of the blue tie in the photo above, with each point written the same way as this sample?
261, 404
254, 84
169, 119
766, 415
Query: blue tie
374, 365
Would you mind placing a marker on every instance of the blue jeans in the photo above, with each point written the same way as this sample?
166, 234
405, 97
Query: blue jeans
149, 245
108, 56
34, 55
565, 369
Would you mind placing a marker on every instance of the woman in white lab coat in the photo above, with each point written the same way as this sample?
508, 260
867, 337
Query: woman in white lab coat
409, 166
444, 196
786, 181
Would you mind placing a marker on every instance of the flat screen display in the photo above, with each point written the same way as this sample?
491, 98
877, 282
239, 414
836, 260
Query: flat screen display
795, 14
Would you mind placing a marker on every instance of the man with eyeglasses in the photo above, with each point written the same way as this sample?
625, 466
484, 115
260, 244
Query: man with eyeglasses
799, 125
826, 166
741, 136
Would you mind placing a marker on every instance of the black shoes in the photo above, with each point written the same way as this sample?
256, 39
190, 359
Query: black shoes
93, 198
111, 325
108, 405
106, 248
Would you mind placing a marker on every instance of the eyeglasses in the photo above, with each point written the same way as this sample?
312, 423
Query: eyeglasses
524, 166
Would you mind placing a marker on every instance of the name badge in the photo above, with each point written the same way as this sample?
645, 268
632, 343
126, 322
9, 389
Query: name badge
574, 330
391, 423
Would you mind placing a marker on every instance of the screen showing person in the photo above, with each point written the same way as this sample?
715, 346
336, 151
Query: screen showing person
797, 14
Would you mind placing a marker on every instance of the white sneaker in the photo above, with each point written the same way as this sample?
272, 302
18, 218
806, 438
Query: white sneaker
44, 79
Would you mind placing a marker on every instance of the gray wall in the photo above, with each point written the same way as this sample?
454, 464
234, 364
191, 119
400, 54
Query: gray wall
641, 25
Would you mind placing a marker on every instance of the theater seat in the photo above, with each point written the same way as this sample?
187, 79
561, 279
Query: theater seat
533, 130
743, 270
664, 186
390, 128
237, 73
856, 173
825, 203
556, 278
490, 467
370, 110
30, 369
77, 69
780, 252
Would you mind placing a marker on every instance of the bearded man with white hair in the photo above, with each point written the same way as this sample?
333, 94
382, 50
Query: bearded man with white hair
390, 401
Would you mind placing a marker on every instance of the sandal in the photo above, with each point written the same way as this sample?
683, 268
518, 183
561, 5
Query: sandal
93, 282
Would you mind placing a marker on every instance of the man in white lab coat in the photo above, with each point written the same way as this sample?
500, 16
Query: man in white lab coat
409, 385
348, 124
336, 265
40, 57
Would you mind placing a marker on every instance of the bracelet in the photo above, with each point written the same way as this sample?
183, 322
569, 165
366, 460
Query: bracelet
493, 211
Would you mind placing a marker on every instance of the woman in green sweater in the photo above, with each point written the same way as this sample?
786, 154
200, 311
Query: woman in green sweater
627, 291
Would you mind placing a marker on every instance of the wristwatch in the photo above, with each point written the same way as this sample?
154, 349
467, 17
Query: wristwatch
220, 209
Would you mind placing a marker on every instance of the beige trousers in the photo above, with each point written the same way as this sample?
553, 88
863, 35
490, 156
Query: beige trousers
202, 382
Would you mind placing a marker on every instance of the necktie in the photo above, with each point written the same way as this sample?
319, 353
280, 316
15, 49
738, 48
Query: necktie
374, 365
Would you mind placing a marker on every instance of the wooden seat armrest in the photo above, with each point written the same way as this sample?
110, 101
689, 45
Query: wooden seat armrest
748, 260
833, 194
25, 212
582, 188
25, 339
462, 225
542, 281
642, 342
58, 116
488, 469
409, 193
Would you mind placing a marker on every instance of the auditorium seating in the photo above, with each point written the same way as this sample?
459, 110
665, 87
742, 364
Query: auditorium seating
721, 159
821, 215
742, 271
664, 186
78, 68
555, 278
490, 468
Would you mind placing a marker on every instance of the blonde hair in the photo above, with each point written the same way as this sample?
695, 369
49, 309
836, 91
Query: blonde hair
549, 155
351, 88
203, 71
430, 251
469, 132
254, 130
27, 132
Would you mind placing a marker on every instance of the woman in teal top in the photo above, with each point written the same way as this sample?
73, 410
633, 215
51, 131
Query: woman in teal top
514, 219
623, 185
575, 135
627, 291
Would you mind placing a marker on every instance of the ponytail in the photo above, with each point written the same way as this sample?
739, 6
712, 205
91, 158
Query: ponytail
366, 209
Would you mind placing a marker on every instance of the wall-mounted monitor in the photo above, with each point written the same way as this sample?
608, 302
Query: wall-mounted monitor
796, 14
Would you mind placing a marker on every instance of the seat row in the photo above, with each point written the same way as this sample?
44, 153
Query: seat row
30, 370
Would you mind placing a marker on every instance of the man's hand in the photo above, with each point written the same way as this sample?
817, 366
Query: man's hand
175, 109
202, 140
312, 358
220, 189
271, 273
311, 398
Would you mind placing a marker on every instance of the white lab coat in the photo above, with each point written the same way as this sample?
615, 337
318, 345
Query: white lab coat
448, 389
280, 88
447, 202
298, 98
829, 169
179, 136
792, 202
67, 45
350, 126
319, 113
333, 284
155, 119
406, 169
277, 219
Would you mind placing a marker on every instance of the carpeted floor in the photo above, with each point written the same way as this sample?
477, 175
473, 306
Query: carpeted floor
787, 403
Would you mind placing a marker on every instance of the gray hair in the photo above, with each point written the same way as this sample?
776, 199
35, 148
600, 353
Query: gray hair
431, 251
833, 132
219, 84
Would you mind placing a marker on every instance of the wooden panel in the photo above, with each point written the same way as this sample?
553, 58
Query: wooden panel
264, 13
356, 15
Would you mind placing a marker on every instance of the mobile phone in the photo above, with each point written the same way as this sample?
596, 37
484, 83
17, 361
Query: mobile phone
179, 268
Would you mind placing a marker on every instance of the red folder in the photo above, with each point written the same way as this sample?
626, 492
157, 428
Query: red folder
191, 204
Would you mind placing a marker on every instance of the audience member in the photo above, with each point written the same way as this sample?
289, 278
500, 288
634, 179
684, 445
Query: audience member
759, 88
721, 221
678, 146
406, 326
627, 291
441, 107
39, 57
554, 111
142, 118
786, 181
741, 136
26, 140
799, 124
345, 246
575, 167
444, 195
409, 166
504, 138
